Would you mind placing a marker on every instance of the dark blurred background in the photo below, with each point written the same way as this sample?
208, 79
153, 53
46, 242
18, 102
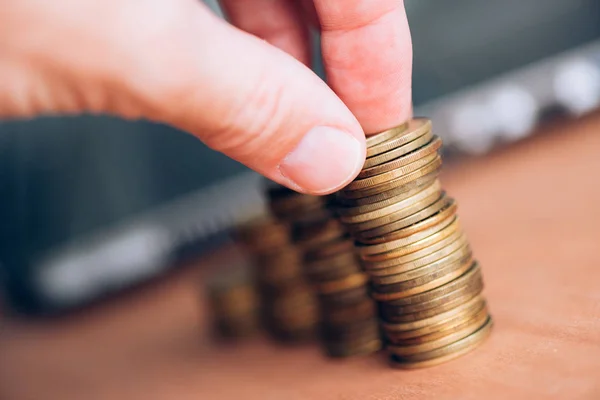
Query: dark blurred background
91, 205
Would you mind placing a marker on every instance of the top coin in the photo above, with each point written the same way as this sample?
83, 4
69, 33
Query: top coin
386, 135
416, 127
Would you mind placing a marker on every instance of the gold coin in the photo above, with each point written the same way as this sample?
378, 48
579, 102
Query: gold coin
342, 350
470, 275
429, 148
293, 202
418, 219
410, 206
353, 312
415, 255
422, 193
348, 211
473, 285
479, 318
396, 283
393, 183
381, 137
425, 284
451, 337
386, 284
335, 261
446, 353
416, 127
371, 252
425, 218
398, 172
409, 326
414, 260
381, 197
398, 151
464, 296
398, 336
341, 245
346, 283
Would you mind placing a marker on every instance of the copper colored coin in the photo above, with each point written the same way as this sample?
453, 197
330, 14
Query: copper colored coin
421, 280
340, 245
418, 195
416, 127
448, 305
346, 211
449, 338
441, 277
410, 157
408, 244
414, 255
429, 216
478, 318
346, 283
407, 210
349, 296
353, 350
424, 180
418, 259
474, 303
388, 134
390, 311
404, 272
396, 333
398, 172
472, 274
398, 151
446, 353
352, 312
393, 183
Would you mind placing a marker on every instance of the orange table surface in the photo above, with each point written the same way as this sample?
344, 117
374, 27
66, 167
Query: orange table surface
532, 212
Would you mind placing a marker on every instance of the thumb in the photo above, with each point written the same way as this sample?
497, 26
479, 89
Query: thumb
252, 102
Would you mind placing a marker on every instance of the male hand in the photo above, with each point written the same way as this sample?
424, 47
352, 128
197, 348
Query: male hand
175, 62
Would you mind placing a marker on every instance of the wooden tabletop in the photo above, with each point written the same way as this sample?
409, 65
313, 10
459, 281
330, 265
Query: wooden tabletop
532, 213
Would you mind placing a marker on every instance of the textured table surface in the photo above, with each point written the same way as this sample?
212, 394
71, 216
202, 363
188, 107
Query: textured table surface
533, 216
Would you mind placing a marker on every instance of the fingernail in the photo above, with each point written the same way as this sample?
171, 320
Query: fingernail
326, 160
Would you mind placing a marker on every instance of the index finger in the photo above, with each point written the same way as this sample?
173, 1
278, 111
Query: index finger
367, 53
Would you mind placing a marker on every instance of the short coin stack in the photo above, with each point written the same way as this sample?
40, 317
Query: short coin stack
289, 307
348, 315
410, 242
234, 304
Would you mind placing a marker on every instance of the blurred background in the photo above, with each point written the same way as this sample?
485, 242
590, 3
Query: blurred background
94, 205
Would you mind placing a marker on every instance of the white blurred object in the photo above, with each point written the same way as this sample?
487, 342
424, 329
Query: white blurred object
577, 86
515, 112
472, 128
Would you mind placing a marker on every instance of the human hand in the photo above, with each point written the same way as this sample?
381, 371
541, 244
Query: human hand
173, 61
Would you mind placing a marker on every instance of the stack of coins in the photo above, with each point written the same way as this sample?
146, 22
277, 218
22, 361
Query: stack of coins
348, 315
410, 243
289, 308
234, 304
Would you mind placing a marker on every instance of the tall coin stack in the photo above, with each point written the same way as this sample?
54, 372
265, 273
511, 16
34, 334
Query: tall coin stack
289, 307
348, 315
410, 242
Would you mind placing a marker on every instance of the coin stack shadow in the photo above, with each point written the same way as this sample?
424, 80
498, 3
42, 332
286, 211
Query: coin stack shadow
234, 304
410, 242
288, 305
349, 324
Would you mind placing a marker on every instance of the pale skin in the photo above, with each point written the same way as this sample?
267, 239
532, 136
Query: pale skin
242, 87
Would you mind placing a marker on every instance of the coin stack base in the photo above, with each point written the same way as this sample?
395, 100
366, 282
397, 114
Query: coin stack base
410, 241
348, 315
